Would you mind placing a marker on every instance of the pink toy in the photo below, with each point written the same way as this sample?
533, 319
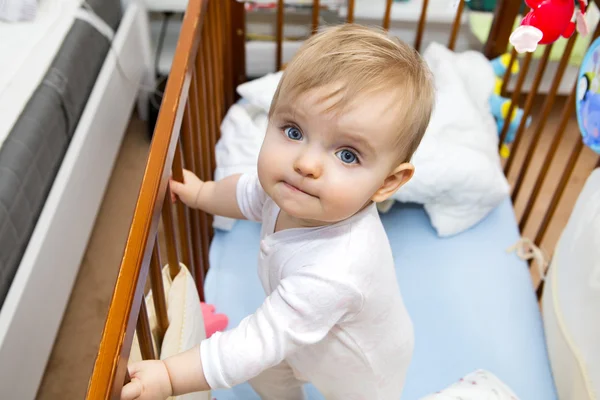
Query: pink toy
213, 322
547, 21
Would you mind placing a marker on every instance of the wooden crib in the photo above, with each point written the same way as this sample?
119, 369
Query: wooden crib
209, 63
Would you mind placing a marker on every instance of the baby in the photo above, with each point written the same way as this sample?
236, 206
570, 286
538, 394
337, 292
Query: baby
349, 112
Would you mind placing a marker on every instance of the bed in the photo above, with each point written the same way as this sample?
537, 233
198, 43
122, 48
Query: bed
65, 108
474, 303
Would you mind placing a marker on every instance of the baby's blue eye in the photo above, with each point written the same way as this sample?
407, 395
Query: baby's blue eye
347, 156
293, 133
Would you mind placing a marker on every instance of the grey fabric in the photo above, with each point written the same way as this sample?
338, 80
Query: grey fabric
34, 149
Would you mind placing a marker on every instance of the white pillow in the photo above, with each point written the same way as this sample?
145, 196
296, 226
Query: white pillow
236, 152
478, 385
259, 92
571, 301
458, 175
186, 324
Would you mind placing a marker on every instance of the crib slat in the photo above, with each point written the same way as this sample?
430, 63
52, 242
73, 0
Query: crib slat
210, 75
214, 86
421, 26
209, 134
189, 144
217, 61
158, 293
548, 103
388, 14
508, 74
218, 31
528, 106
226, 48
167, 218
202, 150
214, 133
514, 101
204, 94
564, 179
183, 223
237, 35
196, 125
350, 16
568, 110
202, 105
540, 290
279, 36
127, 378
217, 81
194, 111
315, 16
144, 334
456, 25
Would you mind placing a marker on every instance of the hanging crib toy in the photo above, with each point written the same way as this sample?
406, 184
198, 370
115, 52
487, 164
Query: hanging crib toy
546, 22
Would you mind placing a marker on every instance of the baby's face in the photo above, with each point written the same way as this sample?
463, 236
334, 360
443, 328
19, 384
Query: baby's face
324, 166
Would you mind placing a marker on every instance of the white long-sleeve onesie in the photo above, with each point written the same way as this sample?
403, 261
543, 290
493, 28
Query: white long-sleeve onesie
333, 310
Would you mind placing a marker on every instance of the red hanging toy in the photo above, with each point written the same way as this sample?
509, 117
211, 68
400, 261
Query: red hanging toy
547, 21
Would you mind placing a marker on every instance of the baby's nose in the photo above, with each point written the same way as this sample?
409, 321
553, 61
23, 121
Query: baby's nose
308, 165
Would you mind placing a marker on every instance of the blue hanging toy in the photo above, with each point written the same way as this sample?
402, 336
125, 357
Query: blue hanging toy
588, 97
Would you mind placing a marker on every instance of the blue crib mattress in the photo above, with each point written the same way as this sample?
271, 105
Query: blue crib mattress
471, 302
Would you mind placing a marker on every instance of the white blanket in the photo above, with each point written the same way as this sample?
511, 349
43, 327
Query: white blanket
457, 178
478, 385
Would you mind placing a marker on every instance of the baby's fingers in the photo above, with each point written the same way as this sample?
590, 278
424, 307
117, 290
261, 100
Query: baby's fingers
189, 177
132, 390
173, 197
176, 189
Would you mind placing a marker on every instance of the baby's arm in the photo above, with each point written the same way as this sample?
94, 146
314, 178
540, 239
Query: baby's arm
299, 312
217, 198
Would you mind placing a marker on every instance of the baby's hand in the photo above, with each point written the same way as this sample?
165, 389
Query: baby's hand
187, 191
149, 381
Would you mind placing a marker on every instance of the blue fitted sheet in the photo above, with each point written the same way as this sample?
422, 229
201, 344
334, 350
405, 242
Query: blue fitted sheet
472, 303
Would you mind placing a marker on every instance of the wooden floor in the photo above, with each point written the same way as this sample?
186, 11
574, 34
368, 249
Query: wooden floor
75, 349
72, 360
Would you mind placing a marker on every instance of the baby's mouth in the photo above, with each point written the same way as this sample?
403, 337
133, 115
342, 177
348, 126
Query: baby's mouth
296, 189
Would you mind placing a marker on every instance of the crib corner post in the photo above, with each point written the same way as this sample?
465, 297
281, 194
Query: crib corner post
238, 44
502, 25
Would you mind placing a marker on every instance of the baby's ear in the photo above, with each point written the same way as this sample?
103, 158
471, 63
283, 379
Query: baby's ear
402, 174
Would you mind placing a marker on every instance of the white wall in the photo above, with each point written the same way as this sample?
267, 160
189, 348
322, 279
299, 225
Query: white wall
160, 5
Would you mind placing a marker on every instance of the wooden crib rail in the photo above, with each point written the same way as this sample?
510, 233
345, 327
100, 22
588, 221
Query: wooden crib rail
127, 313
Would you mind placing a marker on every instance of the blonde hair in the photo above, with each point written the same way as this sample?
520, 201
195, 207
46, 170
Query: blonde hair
365, 60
